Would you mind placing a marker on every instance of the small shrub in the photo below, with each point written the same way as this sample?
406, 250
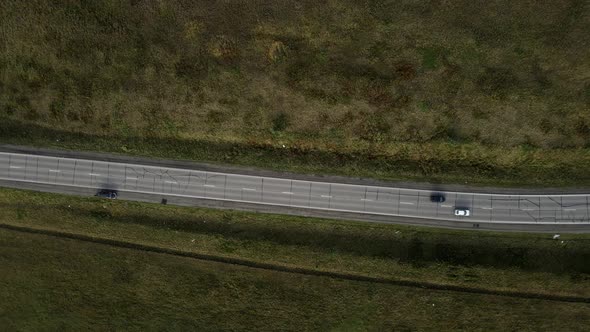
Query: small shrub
276, 51
375, 128
57, 108
405, 71
545, 125
497, 81
214, 117
582, 127
280, 121
585, 92
424, 106
541, 78
377, 94
224, 49
430, 58
31, 114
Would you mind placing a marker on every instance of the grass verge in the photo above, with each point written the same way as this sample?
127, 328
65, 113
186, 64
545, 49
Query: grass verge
436, 163
52, 284
497, 262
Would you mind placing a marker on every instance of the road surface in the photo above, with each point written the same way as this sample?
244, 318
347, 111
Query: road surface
522, 212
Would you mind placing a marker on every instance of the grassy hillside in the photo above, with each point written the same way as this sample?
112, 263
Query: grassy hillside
56, 284
530, 263
488, 92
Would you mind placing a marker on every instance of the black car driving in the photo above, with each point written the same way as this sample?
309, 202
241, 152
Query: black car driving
107, 193
437, 197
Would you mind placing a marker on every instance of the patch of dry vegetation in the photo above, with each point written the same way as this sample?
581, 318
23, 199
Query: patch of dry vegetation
343, 76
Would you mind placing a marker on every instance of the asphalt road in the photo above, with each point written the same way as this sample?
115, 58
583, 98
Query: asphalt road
378, 203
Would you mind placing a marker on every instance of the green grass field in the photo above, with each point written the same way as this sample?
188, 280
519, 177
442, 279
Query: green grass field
532, 263
481, 92
59, 284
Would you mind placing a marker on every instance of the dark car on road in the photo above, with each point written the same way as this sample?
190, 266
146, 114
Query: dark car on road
107, 193
437, 198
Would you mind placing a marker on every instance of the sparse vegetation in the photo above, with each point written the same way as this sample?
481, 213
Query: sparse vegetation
494, 92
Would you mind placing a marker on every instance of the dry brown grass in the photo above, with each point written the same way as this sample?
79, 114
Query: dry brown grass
349, 74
